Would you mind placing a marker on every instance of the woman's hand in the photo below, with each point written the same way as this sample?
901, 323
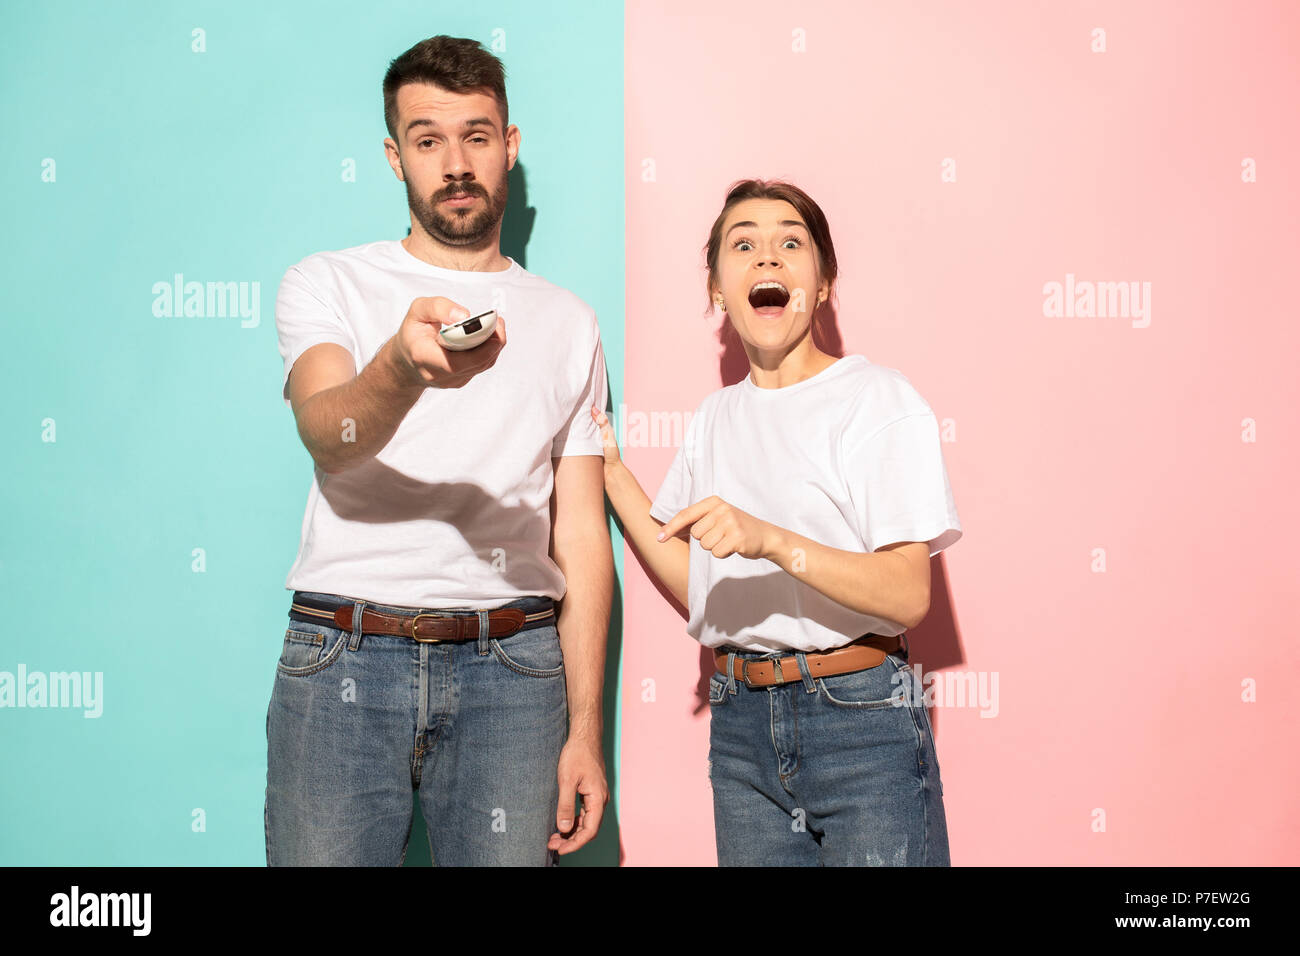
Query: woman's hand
723, 529
612, 459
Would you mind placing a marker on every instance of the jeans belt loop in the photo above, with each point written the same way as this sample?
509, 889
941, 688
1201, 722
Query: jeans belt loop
731, 672
358, 608
484, 633
808, 685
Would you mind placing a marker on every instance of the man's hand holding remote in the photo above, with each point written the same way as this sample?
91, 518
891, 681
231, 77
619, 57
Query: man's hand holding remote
420, 356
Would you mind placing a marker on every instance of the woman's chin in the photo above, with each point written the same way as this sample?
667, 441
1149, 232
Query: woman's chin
768, 334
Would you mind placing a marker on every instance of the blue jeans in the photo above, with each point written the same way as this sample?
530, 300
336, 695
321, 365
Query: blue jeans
827, 771
357, 723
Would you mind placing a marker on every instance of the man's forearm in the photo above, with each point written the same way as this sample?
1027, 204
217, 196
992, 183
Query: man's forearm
350, 423
583, 623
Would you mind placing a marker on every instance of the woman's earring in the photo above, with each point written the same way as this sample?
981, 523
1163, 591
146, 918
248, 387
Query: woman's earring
720, 304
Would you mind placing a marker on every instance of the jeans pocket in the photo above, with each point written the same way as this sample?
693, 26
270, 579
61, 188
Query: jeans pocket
923, 715
717, 689
879, 686
535, 652
309, 648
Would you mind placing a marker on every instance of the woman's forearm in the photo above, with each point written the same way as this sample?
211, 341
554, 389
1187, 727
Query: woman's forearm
881, 584
669, 560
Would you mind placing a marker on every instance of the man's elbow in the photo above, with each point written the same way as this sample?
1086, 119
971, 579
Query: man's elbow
325, 464
321, 455
584, 544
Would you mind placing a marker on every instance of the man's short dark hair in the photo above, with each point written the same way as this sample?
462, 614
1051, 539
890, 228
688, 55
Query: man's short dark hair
456, 64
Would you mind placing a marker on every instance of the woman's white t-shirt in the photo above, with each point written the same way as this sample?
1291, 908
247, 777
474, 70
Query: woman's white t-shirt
850, 458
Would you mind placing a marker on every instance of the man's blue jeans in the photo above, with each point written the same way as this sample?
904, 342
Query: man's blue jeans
356, 723
826, 771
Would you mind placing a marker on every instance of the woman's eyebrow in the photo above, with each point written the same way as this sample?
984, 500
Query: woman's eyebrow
754, 225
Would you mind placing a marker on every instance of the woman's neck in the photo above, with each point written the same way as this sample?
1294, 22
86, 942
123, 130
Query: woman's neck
801, 362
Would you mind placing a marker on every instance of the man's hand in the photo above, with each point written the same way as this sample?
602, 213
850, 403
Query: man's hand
581, 769
418, 352
723, 529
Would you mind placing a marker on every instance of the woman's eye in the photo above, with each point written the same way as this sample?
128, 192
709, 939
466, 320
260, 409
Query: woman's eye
745, 242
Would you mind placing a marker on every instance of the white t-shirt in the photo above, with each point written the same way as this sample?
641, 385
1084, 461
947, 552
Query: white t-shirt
849, 458
455, 509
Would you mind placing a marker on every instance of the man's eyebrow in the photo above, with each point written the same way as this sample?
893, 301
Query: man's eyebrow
754, 225
424, 121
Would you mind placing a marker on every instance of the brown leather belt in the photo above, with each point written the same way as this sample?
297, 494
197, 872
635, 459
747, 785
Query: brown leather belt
429, 627
866, 652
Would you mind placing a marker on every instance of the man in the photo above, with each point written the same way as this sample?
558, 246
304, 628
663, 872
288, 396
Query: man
454, 576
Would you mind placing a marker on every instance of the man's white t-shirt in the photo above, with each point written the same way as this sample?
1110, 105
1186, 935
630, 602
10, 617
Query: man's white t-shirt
849, 458
455, 510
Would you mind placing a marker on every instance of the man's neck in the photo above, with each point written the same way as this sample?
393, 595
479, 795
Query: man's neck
486, 258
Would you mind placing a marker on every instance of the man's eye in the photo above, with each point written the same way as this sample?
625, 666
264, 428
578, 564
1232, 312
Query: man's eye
423, 141
479, 139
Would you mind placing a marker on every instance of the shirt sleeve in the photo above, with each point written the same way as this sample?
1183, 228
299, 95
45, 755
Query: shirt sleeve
676, 489
303, 319
899, 485
580, 434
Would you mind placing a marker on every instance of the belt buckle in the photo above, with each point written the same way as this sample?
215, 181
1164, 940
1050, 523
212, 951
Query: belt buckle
744, 673
416, 637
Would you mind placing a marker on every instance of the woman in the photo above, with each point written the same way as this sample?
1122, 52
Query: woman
809, 498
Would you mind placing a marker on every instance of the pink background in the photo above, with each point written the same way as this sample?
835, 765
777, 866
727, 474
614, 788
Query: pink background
1119, 690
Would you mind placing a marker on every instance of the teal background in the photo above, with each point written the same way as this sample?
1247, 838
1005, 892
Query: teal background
171, 432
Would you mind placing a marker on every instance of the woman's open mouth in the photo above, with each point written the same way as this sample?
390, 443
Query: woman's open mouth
769, 298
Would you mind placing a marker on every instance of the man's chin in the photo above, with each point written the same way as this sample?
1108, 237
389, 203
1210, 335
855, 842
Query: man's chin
456, 232
462, 237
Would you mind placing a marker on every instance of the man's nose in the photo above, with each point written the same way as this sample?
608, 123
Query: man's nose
456, 166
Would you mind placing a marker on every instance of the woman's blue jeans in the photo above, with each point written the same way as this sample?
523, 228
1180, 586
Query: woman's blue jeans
357, 723
826, 771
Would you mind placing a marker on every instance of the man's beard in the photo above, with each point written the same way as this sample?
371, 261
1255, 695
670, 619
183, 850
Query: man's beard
465, 226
